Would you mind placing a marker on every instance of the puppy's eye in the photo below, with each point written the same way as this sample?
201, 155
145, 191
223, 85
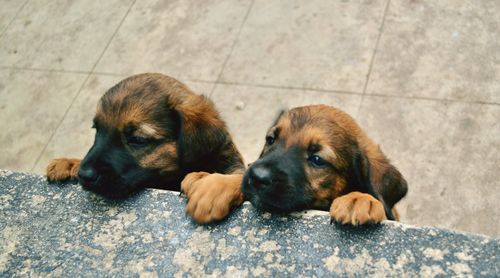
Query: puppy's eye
269, 140
316, 161
136, 141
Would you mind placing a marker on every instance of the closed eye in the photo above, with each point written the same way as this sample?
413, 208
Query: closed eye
136, 141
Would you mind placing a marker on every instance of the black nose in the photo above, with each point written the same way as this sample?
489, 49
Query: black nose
260, 176
87, 176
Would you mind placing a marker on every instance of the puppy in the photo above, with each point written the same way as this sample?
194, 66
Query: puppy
151, 130
318, 157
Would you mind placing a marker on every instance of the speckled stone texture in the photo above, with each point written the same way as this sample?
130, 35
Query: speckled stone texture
61, 230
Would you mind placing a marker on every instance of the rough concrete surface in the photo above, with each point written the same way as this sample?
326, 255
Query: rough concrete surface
61, 230
422, 77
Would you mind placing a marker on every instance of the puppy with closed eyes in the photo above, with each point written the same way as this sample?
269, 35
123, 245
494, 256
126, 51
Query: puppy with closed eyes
151, 131
317, 157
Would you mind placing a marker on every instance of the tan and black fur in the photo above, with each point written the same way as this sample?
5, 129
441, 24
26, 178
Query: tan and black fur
151, 131
317, 157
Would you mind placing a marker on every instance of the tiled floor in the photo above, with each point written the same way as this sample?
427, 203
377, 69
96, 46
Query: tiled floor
421, 77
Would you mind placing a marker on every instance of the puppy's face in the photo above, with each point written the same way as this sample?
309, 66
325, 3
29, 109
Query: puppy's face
135, 142
309, 156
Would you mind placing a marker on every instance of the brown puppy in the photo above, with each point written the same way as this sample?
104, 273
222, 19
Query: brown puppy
151, 131
318, 157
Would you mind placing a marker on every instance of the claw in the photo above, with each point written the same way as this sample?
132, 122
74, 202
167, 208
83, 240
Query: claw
331, 221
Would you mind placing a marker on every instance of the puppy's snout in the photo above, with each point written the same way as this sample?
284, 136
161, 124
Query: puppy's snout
260, 176
87, 176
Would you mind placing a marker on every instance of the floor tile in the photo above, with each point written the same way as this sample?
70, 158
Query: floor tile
308, 44
185, 39
449, 153
75, 136
69, 35
32, 104
250, 111
200, 88
439, 49
8, 12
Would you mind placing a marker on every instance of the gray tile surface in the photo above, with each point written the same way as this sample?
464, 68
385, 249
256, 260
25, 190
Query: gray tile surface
67, 35
32, 104
312, 44
449, 153
440, 49
185, 39
250, 111
8, 11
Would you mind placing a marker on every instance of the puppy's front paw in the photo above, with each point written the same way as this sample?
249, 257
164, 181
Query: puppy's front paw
211, 196
357, 208
63, 169
188, 183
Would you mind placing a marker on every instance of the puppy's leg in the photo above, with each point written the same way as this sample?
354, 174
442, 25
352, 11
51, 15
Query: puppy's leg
357, 208
188, 183
63, 169
211, 196
395, 213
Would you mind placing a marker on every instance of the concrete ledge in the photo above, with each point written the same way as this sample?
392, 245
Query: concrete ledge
63, 231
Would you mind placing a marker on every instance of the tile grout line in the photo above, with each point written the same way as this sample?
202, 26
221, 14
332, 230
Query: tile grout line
372, 61
81, 88
269, 86
232, 47
343, 92
478, 102
60, 122
112, 37
349, 92
13, 18
287, 87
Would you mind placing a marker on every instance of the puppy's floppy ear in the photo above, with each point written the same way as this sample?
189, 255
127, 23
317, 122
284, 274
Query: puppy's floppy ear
358, 174
393, 186
201, 131
359, 178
